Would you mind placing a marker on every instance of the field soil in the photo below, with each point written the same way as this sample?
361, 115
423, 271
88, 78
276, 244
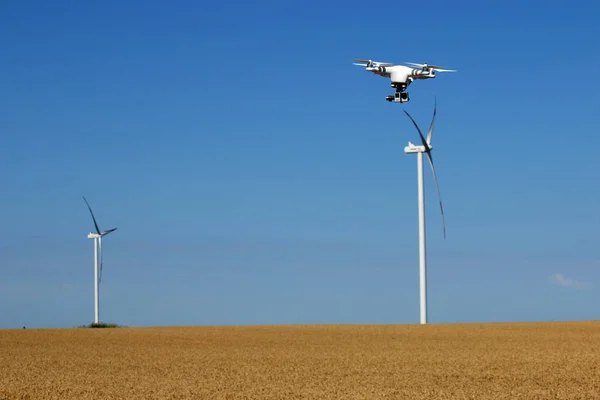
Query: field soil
472, 361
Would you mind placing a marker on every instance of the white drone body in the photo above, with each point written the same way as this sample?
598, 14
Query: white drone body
401, 75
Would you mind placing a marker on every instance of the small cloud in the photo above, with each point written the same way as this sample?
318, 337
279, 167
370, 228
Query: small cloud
561, 280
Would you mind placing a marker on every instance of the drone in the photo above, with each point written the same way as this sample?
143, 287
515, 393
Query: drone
401, 75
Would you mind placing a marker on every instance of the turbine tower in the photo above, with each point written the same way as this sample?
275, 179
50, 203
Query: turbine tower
425, 147
97, 261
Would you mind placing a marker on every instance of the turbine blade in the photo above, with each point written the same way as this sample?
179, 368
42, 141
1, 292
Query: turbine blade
100, 254
108, 231
94, 218
438, 191
419, 130
432, 122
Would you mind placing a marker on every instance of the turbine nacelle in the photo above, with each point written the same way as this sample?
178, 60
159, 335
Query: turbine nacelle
92, 235
413, 148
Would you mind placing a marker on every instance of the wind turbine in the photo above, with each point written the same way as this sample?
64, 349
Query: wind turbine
425, 147
97, 260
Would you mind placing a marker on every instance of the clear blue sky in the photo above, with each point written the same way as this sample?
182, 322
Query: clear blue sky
256, 176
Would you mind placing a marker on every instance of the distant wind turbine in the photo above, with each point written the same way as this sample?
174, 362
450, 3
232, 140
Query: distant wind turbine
97, 260
424, 148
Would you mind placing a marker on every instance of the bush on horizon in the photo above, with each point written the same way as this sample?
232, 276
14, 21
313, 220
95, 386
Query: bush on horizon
102, 325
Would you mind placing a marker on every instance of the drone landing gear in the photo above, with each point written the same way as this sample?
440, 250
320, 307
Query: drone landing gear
400, 96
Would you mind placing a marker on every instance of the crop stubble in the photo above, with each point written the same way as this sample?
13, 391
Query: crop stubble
473, 361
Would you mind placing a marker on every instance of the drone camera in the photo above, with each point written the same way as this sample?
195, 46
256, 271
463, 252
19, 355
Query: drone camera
401, 97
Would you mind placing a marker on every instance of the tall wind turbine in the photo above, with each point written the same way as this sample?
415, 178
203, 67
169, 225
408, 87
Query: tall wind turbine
425, 147
97, 260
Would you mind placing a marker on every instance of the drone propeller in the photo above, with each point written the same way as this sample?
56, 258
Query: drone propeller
437, 68
371, 63
424, 65
362, 63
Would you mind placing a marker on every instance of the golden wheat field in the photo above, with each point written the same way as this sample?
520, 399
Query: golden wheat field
471, 361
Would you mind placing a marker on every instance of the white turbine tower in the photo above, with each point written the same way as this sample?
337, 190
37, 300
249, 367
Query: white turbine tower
424, 148
97, 261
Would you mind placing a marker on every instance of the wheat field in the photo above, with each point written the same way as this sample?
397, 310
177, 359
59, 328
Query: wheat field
470, 361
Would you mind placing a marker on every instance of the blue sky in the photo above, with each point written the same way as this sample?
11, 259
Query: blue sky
257, 177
